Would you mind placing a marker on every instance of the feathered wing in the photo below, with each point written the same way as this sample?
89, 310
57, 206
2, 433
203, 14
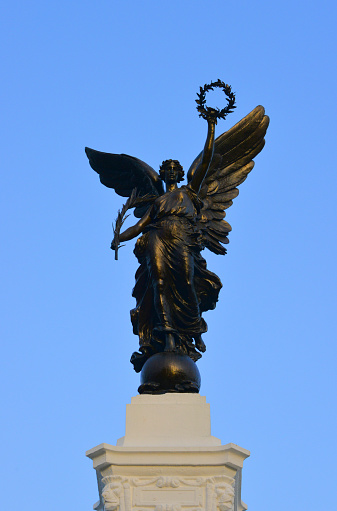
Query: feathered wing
123, 173
233, 157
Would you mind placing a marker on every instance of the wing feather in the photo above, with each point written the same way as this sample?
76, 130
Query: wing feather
233, 157
123, 173
240, 131
245, 147
229, 181
221, 227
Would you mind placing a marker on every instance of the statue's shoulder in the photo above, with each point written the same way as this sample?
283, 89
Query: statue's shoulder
193, 196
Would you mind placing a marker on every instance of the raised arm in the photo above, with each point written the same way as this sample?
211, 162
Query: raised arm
207, 155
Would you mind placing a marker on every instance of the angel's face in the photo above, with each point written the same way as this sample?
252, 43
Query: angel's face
171, 173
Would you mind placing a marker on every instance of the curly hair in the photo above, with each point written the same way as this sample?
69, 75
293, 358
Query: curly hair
164, 166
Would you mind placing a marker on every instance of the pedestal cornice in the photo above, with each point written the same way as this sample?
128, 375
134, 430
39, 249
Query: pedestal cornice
230, 455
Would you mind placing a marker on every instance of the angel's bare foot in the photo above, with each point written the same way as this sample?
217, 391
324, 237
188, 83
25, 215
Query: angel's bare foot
170, 343
199, 344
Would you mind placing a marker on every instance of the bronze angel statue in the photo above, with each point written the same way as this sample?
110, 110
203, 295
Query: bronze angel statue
173, 284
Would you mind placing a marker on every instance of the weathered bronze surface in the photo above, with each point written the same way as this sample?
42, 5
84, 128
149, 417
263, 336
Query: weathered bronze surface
173, 285
169, 371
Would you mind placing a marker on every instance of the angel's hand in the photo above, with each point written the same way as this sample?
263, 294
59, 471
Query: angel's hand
114, 245
212, 115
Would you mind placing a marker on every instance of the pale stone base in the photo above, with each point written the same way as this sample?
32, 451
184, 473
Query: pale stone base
168, 460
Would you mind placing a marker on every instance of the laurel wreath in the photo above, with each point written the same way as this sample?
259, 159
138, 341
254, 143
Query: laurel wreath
207, 112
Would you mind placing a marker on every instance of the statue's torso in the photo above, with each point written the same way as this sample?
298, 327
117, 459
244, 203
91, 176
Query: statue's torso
179, 202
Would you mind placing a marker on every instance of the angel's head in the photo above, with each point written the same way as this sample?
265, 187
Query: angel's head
171, 171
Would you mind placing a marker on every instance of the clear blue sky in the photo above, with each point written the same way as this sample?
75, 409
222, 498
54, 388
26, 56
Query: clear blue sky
122, 77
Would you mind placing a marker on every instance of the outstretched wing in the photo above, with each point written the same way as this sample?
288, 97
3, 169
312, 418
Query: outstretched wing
233, 157
123, 173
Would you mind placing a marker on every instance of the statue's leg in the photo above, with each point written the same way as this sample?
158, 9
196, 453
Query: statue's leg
161, 282
191, 299
159, 273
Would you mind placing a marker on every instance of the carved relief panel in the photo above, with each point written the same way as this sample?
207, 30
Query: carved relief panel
167, 493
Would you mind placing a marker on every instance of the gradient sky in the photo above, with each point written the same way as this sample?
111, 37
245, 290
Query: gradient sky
122, 77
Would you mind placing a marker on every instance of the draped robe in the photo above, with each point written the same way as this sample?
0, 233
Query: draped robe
173, 285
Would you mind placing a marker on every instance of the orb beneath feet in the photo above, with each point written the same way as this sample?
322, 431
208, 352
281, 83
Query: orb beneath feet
169, 371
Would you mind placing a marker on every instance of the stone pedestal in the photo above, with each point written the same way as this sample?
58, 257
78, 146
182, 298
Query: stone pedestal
168, 460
